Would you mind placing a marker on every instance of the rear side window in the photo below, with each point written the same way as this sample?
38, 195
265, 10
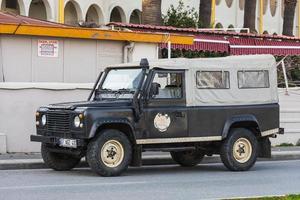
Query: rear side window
253, 79
212, 79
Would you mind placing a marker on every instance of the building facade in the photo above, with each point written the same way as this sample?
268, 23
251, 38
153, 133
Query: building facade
227, 13
74, 11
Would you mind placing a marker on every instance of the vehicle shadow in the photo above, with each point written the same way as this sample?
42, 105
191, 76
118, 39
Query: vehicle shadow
154, 170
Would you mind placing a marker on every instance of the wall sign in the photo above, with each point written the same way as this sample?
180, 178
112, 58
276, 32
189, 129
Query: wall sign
48, 48
162, 122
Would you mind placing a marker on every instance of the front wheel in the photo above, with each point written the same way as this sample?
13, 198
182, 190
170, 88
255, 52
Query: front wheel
187, 158
58, 161
239, 150
110, 153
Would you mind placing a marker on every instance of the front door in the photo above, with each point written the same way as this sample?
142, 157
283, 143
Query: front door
166, 112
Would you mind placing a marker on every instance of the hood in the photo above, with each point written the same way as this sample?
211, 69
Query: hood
78, 104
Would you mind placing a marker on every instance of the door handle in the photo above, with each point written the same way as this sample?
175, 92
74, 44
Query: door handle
179, 114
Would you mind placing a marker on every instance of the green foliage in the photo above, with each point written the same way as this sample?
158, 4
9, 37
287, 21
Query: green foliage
287, 197
219, 25
177, 53
285, 145
182, 16
295, 73
292, 64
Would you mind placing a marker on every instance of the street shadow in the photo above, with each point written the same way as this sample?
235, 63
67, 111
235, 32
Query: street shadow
150, 170
165, 170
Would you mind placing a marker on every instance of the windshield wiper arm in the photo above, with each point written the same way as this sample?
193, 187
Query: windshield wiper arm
126, 90
105, 90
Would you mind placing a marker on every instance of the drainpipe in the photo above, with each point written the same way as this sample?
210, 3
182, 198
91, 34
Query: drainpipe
2, 78
126, 51
61, 14
169, 50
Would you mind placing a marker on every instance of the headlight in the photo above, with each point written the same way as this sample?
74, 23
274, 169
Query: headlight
44, 120
77, 121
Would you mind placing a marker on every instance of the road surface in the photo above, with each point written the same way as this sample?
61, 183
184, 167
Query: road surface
206, 181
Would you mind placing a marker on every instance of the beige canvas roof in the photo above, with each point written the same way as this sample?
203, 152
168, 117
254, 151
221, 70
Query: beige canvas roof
232, 64
189, 63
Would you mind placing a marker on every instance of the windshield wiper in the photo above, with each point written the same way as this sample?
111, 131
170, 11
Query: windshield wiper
105, 90
116, 93
125, 90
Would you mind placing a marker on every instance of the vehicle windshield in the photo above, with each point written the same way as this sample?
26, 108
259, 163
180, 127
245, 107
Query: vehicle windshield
121, 83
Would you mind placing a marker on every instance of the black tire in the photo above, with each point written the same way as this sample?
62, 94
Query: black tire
241, 159
187, 158
58, 161
97, 162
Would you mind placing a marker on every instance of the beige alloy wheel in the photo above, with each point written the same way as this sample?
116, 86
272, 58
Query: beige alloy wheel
242, 150
112, 153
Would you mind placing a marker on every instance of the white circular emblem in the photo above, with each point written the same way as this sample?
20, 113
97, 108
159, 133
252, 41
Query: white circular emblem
162, 122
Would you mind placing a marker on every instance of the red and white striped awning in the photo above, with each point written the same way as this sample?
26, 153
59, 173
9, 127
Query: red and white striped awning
245, 46
230, 42
203, 42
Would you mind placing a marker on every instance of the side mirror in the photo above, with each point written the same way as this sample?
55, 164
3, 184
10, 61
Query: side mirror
154, 90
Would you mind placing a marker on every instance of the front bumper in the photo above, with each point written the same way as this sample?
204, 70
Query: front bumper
53, 140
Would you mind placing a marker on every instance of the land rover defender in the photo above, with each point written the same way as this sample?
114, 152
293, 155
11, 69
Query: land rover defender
189, 107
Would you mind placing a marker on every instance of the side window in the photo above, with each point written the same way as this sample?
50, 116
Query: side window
253, 79
212, 79
170, 85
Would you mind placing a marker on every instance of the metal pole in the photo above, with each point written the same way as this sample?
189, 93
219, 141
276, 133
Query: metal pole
285, 78
169, 49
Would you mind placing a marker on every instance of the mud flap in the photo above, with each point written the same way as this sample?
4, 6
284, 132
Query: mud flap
136, 156
264, 147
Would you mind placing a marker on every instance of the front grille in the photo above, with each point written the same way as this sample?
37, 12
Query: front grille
58, 122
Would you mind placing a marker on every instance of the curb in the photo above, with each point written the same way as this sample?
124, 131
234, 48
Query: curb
15, 164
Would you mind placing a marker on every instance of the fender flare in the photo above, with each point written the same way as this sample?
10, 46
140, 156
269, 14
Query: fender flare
239, 119
109, 121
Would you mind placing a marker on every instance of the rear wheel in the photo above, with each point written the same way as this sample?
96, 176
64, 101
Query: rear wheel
239, 150
187, 158
58, 161
110, 153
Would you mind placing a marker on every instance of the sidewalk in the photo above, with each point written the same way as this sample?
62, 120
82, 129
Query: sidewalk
34, 160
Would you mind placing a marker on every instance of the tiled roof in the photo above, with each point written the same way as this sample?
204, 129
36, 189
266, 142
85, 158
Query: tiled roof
13, 24
196, 31
10, 18
225, 41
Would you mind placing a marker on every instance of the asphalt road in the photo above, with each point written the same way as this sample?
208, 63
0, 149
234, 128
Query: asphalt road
206, 181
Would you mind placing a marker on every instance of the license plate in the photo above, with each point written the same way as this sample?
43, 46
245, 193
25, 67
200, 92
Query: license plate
68, 143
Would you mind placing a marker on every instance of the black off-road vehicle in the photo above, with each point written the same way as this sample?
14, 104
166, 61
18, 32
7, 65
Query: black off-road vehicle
189, 107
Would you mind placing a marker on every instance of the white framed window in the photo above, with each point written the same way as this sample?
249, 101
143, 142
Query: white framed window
253, 79
212, 80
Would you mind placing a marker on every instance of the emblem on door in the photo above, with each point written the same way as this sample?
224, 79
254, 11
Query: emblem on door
162, 122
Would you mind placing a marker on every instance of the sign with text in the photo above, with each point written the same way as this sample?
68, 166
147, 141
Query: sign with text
48, 48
